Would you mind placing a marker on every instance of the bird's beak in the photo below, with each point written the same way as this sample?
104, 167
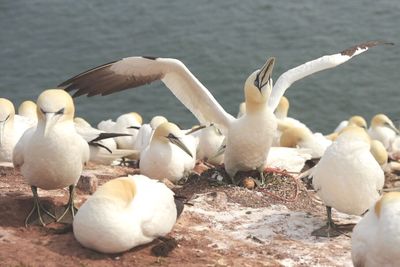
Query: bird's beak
49, 122
2, 125
264, 75
390, 126
195, 129
133, 127
176, 141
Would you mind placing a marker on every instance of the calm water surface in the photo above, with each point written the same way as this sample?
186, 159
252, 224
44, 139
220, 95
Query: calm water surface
44, 42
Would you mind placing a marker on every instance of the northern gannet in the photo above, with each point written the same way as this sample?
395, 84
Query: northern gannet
28, 109
124, 213
52, 155
348, 177
353, 120
248, 138
146, 132
376, 238
302, 137
103, 148
167, 156
12, 127
383, 129
210, 140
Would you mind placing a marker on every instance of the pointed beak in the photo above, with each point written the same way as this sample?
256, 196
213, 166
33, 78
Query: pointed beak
133, 127
264, 75
176, 141
49, 123
2, 125
195, 129
391, 126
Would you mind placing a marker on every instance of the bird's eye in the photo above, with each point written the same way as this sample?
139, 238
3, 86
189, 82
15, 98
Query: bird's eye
60, 112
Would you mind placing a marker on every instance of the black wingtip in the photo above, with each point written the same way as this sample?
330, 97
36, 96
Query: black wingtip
150, 57
180, 204
350, 51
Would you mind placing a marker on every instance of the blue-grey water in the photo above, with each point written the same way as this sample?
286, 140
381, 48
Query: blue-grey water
44, 42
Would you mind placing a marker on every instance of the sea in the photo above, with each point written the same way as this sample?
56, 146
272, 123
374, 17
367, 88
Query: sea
44, 42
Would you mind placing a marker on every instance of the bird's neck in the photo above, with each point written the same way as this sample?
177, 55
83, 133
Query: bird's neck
255, 107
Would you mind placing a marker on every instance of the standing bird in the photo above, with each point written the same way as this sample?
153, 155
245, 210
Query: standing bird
348, 177
52, 155
12, 127
167, 156
376, 238
249, 137
126, 212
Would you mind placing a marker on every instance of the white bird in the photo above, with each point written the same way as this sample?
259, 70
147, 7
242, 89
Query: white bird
248, 138
28, 109
354, 120
52, 155
383, 129
376, 238
301, 137
103, 148
128, 123
348, 177
146, 132
287, 158
124, 213
167, 156
12, 127
210, 140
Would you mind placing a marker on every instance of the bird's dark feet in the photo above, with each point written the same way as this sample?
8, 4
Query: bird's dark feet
68, 213
38, 214
328, 230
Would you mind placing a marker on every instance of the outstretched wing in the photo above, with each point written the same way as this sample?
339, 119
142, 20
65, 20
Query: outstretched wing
135, 71
326, 62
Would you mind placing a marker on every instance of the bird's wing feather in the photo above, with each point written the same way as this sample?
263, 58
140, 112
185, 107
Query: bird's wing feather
326, 62
136, 71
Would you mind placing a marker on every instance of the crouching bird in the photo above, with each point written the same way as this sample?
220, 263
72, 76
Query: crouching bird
126, 212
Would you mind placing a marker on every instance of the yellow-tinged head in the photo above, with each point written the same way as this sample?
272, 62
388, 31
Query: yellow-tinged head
385, 199
258, 86
170, 132
7, 110
54, 106
27, 109
7, 113
332, 136
292, 136
381, 120
123, 189
283, 108
354, 132
242, 109
156, 121
358, 121
379, 152
137, 117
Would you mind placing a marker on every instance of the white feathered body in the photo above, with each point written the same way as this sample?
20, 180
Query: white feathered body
376, 240
163, 160
53, 161
383, 134
107, 224
287, 158
248, 141
210, 141
348, 178
12, 133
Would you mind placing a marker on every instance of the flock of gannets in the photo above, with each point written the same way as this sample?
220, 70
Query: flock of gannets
129, 211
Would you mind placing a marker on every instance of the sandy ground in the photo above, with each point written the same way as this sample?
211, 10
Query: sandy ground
221, 225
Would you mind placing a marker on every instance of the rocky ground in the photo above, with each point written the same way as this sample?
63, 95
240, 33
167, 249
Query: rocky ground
222, 225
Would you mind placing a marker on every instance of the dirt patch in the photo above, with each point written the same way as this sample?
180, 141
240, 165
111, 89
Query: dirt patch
222, 225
